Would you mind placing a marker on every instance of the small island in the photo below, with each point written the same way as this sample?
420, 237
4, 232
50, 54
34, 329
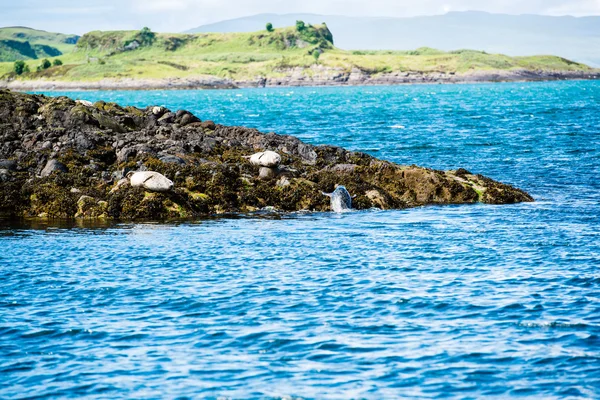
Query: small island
302, 55
62, 158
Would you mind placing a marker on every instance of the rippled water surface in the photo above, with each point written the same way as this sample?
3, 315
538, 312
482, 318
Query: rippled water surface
459, 301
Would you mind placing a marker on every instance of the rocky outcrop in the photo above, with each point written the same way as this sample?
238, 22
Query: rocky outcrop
65, 159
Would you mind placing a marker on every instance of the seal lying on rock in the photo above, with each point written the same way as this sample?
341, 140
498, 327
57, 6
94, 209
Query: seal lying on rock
341, 201
150, 180
268, 159
86, 103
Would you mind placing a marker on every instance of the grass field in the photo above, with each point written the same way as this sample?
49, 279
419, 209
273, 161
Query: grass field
239, 56
20, 43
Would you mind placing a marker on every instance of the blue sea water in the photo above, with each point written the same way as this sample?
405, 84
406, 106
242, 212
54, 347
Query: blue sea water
434, 302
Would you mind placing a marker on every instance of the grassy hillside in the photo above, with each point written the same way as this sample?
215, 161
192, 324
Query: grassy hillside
20, 43
577, 39
144, 54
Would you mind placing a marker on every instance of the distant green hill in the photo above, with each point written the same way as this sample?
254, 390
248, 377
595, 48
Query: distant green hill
20, 43
577, 39
306, 50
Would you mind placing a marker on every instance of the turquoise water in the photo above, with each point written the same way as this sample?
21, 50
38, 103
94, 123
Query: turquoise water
455, 302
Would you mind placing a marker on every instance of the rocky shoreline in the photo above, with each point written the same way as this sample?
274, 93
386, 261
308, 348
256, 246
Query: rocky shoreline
317, 75
66, 159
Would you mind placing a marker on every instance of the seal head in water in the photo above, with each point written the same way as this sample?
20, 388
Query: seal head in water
341, 201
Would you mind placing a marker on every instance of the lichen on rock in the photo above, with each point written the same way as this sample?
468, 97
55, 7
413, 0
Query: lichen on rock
91, 148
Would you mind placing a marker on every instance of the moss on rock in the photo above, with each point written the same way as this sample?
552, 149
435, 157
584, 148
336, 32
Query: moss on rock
208, 164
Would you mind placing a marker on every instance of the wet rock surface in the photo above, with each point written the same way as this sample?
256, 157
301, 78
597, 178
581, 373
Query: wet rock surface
65, 159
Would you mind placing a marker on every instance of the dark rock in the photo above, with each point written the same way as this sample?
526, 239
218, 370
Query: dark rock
173, 160
144, 150
113, 124
183, 118
307, 153
93, 167
125, 153
462, 172
141, 166
210, 125
53, 166
10, 165
168, 118
284, 170
344, 168
188, 119
83, 143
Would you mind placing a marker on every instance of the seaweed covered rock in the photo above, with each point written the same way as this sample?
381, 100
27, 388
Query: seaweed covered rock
60, 158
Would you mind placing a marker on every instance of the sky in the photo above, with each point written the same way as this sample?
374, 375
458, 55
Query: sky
178, 15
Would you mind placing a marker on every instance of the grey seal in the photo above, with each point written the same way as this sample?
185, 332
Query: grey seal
150, 180
341, 201
268, 159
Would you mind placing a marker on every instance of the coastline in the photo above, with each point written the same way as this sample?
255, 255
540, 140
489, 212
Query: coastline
303, 77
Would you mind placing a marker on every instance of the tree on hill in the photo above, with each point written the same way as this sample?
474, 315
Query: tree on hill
269, 27
57, 62
145, 36
300, 26
45, 64
20, 67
